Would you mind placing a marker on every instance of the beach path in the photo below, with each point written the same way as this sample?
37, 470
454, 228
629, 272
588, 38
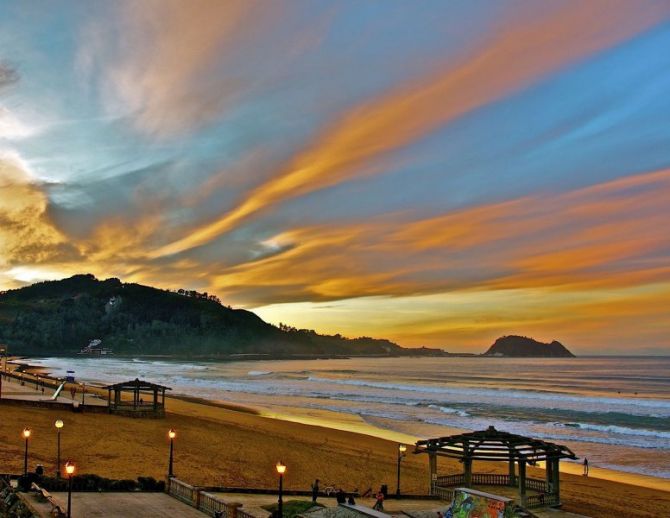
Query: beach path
124, 505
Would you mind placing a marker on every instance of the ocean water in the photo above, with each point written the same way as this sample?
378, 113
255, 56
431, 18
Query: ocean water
613, 410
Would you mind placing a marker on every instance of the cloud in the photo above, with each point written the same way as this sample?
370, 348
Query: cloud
176, 67
8, 75
516, 56
27, 235
606, 236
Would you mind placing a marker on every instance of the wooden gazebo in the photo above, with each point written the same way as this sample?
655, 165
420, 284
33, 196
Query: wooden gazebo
494, 445
138, 406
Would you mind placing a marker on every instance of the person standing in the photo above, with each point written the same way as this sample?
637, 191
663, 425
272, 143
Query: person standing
586, 467
379, 504
315, 490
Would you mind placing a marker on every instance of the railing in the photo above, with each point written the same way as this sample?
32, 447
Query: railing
444, 493
244, 514
536, 485
541, 500
181, 491
450, 480
210, 504
490, 479
204, 501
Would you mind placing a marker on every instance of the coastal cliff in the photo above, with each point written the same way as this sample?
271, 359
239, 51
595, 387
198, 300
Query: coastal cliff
521, 346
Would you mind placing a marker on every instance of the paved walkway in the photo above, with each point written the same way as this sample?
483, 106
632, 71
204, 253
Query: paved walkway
253, 503
13, 389
125, 505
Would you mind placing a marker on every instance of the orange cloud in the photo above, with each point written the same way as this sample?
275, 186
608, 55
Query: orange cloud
27, 235
611, 235
515, 57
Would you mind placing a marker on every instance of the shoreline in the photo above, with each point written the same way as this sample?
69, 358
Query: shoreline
221, 447
355, 424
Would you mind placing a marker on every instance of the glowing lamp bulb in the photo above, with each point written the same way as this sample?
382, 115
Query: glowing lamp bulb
402, 448
69, 468
172, 434
59, 424
27, 432
281, 468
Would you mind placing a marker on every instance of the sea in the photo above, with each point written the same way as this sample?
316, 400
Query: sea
613, 410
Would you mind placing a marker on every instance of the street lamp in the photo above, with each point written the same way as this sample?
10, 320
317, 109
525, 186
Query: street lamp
171, 434
69, 469
26, 436
401, 453
281, 469
58, 424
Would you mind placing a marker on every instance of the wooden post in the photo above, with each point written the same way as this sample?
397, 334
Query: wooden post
522, 482
557, 482
549, 472
467, 475
432, 468
512, 474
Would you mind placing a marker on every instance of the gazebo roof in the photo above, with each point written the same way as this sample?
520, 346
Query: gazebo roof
491, 444
136, 384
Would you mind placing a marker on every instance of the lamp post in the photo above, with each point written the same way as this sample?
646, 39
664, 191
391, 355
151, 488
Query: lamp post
281, 469
171, 434
26, 436
58, 424
401, 453
69, 469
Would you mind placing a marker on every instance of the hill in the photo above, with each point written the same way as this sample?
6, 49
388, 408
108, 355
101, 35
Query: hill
61, 317
521, 346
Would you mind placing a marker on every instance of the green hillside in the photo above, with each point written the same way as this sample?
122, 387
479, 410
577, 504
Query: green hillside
61, 317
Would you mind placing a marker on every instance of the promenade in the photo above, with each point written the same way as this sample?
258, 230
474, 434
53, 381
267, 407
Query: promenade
116, 505
34, 389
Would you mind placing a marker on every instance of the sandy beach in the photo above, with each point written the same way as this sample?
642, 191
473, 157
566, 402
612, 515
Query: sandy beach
220, 445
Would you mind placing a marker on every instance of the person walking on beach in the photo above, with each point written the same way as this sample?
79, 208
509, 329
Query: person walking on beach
379, 504
586, 467
315, 490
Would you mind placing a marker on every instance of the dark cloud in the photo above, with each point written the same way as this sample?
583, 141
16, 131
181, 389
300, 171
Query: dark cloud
8, 75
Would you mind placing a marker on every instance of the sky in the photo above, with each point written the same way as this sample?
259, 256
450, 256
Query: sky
436, 173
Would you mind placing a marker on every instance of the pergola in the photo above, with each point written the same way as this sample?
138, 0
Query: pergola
138, 407
494, 445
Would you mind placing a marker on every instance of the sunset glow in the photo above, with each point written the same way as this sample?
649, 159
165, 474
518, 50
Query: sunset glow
438, 174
